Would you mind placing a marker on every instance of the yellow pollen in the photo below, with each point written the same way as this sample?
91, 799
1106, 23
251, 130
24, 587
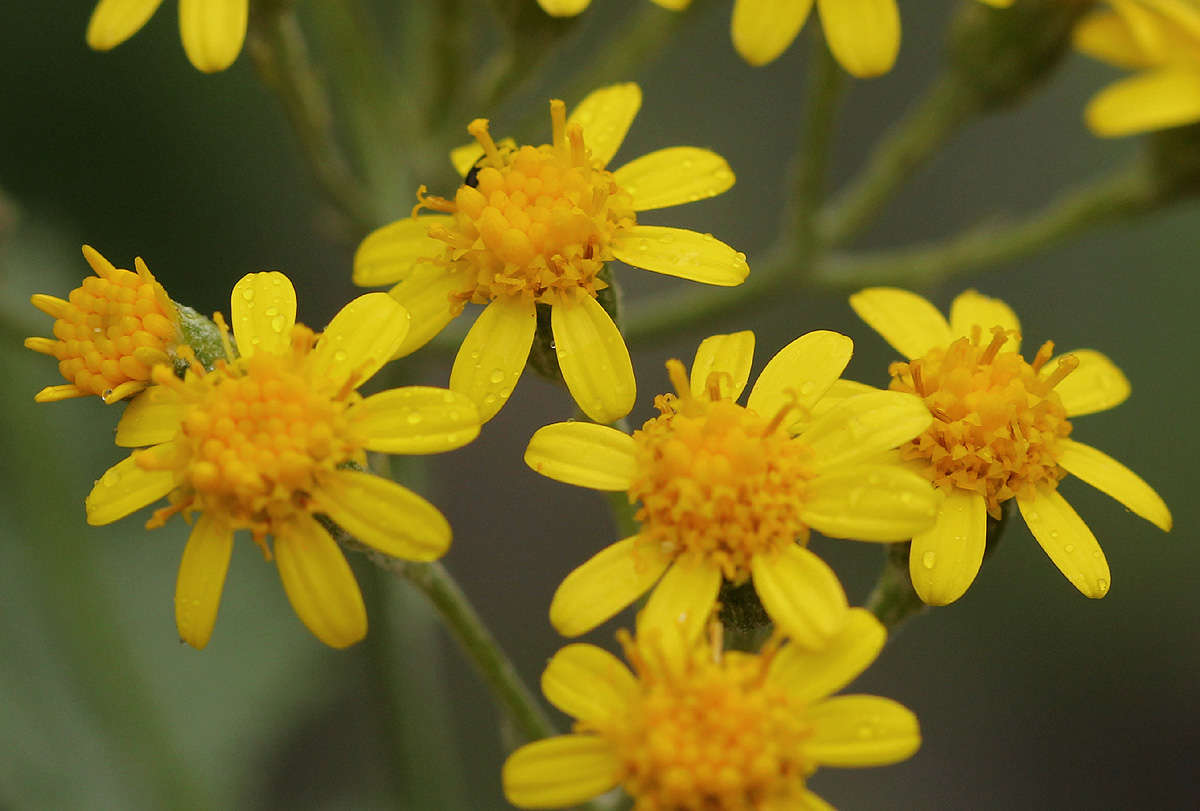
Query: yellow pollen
998, 423
717, 481
538, 223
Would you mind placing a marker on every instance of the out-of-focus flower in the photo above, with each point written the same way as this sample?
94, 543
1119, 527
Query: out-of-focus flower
535, 225
1000, 432
569, 8
264, 441
212, 30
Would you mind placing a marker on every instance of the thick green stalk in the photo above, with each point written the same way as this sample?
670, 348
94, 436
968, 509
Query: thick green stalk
893, 600
813, 153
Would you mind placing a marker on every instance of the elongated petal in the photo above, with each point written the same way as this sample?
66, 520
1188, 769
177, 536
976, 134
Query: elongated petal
763, 29
605, 116
907, 321
945, 558
1067, 540
863, 426
416, 420
801, 594
1153, 100
811, 674
383, 514
115, 21
213, 31
428, 294
800, 373
362, 337
588, 683
201, 579
1110, 476
124, 488
154, 416
861, 731
838, 393
262, 308
560, 772
864, 35
1106, 36
679, 608
682, 253
729, 357
1095, 385
391, 253
674, 176
593, 358
462, 158
870, 503
971, 309
319, 583
583, 454
563, 8
605, 584
492, 356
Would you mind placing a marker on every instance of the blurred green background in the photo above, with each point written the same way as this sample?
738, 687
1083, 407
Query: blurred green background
1030, 696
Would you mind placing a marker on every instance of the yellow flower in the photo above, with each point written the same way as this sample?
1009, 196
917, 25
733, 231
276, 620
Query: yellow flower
262, 443
699, 728
109, 333
212, 30
1162, 41
864, 35
569, 8
535, 225
1001, 431
730, 492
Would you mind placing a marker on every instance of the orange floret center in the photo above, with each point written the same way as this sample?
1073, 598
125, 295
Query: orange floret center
716, 480
711, 733
256, 434
539, 221
998, 420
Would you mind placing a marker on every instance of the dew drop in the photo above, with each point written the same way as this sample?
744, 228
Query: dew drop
496, 376
340, 356
807, 387
248, 294
1069, 548
929, 559
1102, 585
277, 323
271, 312
414, 418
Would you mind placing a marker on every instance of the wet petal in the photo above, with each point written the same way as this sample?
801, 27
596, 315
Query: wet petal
362, 337
838, 393
154, 416
201, 579
391, 253
605, 584
800, 373
674, 176
605, 116
1110, 476
811, 674
864, 35
1153, 100
907, 321
971, 309
729, 357
428, 295
492, 356
115, 21
682, 253
855, 730
213, 31
763, 29
865, 425
870, 503
945, 558
1095, 385
560, 772
125, 488
416, 420
262, 309
679, 608
583, 454
593, 358
319, 583
801, 594
588, 683
383, 515
1067, 540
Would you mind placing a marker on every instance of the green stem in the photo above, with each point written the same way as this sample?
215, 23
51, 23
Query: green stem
816, 139
893, 600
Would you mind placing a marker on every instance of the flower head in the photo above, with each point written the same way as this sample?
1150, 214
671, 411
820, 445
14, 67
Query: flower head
729, 492
535, 226
1001, 431
266, 440
212, 30
110, 332
701, 728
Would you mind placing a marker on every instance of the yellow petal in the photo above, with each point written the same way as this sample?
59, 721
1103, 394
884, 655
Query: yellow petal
1067, 540
583, 454
763, 29
588, 683
907, 321
945, 558
672, 5
362, 337
838, 393
462, 158
682, 253
115, 21
390, 254
811, 674
154, 416
1110, 476
605, 116
1106, 36
856, 730
800, 373
124, 488
806, 801
262, 309
972, 309
801, 594
679, 608
319, 583
383, 514
416, 420
863, 426
563, 8
674, 176
864, 35
560, 772
729, 358
1095, 385
428, 296
492, 356
1153, 100
593, 358
213, 31
870, 503
201, 579
605, 584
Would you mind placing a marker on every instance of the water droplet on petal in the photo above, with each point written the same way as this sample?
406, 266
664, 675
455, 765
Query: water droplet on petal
1069, 548
929, 559
248, 294
414, 418
496, 376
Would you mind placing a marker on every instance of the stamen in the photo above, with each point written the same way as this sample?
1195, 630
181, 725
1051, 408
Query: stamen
432, 202
558, 123
999, 338
1044, 353
677, 372
918, 383
1066, 365
102, 266
712, 386
52, 306
479, 129
939, 414
144, 272
785, 409
578, 151
226, 344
